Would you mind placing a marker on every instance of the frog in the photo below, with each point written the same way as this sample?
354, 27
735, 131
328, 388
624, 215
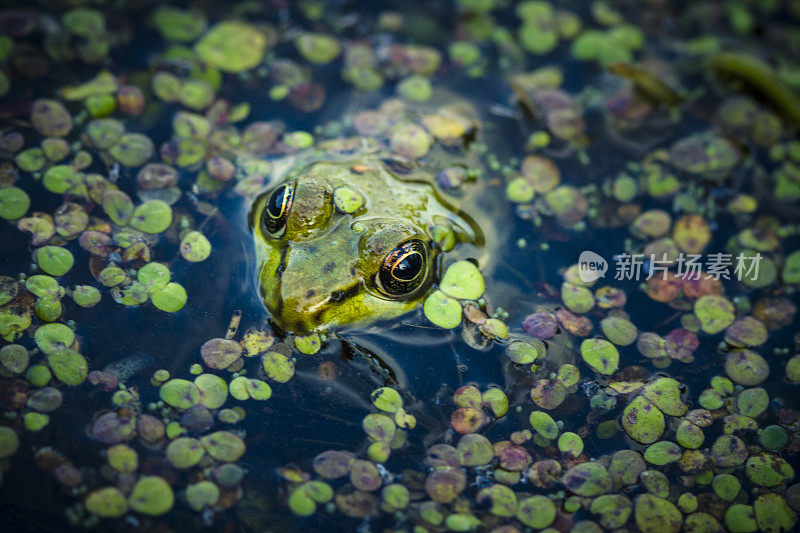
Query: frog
324, 266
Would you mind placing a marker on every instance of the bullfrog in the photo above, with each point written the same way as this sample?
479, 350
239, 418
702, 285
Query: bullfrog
346, 240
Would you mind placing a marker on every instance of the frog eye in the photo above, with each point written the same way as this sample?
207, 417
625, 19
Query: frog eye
277, 208
404, 269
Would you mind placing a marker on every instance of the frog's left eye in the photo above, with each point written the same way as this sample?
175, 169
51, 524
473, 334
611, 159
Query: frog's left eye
404, 270
276, 209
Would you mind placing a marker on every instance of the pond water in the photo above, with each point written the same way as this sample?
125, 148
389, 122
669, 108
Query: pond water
598, 330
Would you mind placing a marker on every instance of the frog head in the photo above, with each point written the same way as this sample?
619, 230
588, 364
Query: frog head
325, 263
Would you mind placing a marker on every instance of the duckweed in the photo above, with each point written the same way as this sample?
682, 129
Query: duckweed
151, 496
612, 509
184, 452
773, 438
656, 514
601, 355
768, 470
746, 367
232, 46
171, 299
122, 458
201, 495
544, 425
14, 358
86, 295
525, 352
45, 400
665, 394
715, 313
726, 486
223, 446
710, 452
195, 247
642, 421
34, 422
14, 203
153, 216
386, 399
68, 366
277, 367
662, 453
107, 502
309, 345
570, 443
9, 442
213, 390
588, 479
773, 514
740, 518
442, 310
243, 388
474, 450
219, 354
54, 260
180, 393
318, 48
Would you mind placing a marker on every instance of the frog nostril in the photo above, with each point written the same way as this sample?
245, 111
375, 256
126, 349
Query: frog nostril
336, 296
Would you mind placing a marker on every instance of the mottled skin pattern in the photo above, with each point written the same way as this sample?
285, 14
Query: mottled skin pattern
320, 272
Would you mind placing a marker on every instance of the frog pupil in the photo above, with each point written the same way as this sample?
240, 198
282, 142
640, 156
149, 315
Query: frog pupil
400, 273
277, 202
276, 209
408, 267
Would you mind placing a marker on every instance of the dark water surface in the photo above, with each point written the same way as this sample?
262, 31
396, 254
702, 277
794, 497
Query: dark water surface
310, 414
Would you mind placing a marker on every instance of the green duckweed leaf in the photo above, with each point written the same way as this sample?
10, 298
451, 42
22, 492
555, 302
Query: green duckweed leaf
153, 216
151, 496
463, 280
14, 203
68, 366
601, 355
232, 46
277, 367
54, 260
195, 247
107, 502
170, 299
180, 393
642, 421
442, 310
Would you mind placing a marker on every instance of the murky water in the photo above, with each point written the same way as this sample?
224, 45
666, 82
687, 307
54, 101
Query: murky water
145, 386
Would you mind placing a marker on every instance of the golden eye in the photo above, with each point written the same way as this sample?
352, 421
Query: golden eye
276, 209
404, 269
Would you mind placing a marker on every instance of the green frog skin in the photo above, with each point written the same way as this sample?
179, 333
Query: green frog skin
320, 268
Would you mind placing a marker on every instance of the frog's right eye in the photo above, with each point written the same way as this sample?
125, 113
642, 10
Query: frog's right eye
404, 270
276, 210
